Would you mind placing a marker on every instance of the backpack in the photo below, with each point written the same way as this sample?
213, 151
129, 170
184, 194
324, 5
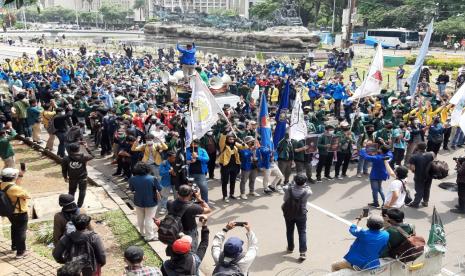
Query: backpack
51, 126
438, 169
70, 228
228, 269
170, 227
6, 207
410, 249
408, 197
82, 253
292, 207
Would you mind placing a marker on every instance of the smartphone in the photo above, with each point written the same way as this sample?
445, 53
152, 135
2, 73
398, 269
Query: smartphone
22, 166
240, 224
365, 212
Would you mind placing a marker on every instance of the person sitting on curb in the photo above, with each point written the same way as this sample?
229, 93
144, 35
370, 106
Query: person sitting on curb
134, 257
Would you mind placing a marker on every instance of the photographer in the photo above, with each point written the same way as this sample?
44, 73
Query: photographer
230, 257
460, 208
187, 210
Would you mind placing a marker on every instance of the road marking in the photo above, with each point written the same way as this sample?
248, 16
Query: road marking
448, 272
326, 212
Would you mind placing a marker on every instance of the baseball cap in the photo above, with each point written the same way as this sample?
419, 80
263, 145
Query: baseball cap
182, 245
233, 247
10, 172
134, 254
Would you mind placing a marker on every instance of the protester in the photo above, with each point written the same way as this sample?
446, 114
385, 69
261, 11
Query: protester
134, 258
249, 167
168, 177
146, 196
198, 158
365, 251
325, 156
295, 213
230, 161
187, 59
419, 164
395, 218
229, 255
397, 189
18, 196
7, 152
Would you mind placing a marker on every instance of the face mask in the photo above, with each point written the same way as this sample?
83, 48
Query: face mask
209, 133
331, 132
62, 113
150, 143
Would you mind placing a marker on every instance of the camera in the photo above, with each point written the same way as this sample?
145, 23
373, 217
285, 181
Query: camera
459, 159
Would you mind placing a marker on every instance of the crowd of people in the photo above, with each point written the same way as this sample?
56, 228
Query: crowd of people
123, 105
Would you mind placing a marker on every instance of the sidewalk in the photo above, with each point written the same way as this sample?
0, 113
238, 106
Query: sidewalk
33, 264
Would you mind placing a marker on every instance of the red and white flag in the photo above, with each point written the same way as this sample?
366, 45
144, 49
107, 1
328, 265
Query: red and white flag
371, 86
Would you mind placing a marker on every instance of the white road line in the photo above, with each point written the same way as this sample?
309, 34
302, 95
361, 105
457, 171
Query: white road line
448, 272
326, 212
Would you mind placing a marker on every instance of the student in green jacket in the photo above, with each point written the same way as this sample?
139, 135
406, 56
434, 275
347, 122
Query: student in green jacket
325, 158
6, 150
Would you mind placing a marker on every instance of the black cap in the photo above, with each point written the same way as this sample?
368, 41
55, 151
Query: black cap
134, 254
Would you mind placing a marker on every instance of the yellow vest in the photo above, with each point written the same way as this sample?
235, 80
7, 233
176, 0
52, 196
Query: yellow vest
156, 148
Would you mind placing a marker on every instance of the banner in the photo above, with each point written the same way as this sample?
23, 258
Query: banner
298, 129
437, 236
371, 86
204, 108
281, 116
264, 127
414, 76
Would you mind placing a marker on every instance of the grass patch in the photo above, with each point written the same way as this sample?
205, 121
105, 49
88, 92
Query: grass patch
126, 235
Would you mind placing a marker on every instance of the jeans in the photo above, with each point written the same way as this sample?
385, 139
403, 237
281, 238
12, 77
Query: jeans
400, 84
442, 88
145, 223
304, 168
249, 175
228, 174
343, 158
201, 181
18, 232
276, 172
194, 234
165, 193
422, 190
301, 224
375, 189
73, 185
458, 137
155, 170
363, 165
61, 146
286, 168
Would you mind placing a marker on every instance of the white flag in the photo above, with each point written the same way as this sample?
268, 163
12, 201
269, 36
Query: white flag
372, 84
462, 122
298, 129
205, 109
459, 95
256, 92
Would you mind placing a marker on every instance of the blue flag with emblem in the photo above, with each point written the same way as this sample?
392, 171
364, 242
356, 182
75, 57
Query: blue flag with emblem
264, 129
281, 116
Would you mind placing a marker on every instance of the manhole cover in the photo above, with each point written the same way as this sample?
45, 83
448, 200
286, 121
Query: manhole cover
450, 186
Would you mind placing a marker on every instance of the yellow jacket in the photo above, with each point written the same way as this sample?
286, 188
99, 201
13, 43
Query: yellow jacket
227, 152
157, 148
430, 113
444, 114
17, 193
47, 116
275, 95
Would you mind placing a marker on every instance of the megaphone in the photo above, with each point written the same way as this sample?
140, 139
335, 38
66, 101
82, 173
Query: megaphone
179, 75
226, 79
216, 82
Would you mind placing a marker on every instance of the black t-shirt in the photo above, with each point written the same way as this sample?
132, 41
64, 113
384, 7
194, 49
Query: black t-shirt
188, 219
421, 162
196, 167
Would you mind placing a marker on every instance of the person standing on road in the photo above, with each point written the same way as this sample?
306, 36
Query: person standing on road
295, 213
61, 123
397, 189
18, 196
249, 170
230, 162
285, 157
74, 170
419, 165
209, 143
325, 157
197, 158
146, 196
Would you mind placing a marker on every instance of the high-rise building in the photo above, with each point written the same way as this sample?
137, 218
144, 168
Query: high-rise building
86, 5
207, 6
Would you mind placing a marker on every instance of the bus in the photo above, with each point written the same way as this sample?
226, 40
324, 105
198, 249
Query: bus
392, 38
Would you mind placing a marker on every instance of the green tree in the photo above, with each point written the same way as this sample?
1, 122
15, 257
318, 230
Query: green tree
140, 5
114, 14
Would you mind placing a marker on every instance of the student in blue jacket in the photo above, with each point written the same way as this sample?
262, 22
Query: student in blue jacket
378, 172
187, 59
167, 173
198, 158
365, 251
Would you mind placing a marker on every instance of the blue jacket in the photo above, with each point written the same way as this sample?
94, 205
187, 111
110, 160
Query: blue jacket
164, 170
264, 158
435, 130
33, 115
246, 159
339, 92
364, 252
378, 169
143, 187
188, 56
202, 157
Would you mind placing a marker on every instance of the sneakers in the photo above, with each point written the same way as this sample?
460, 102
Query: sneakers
272, 188
232, 197
425, 204
359, 175
243, 196
154, 238
329, 177
373, 205
254, 194
22, 255
302, 257
311, 181
267, 191
457, 211
340, 177
280, 190
414, 205
162, 211
289, 250
318, 180
226, 200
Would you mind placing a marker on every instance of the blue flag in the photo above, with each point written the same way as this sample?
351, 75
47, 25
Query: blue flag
414, 76
281, 116
264, 128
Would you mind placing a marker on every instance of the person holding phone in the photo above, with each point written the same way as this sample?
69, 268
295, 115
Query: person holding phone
230, 256
152, 152
7, 152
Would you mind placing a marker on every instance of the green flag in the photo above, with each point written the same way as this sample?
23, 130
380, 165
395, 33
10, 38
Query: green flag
437, 236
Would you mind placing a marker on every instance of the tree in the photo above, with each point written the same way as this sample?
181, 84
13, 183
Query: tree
139, 5
114, 14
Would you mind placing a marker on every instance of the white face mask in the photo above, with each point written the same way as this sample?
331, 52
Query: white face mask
331, 132
209, 133
150, 143
62, 113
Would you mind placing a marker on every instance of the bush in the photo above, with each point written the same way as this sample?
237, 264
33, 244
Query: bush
45, 234
19, 25
448, 64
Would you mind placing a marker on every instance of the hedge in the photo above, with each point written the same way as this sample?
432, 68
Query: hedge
448, 64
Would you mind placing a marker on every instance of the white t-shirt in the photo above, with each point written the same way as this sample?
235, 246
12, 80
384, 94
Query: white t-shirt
395, 186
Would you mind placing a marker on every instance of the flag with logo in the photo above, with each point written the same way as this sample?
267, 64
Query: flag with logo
281, 116
298, 129
458, 96
371, 86
414, 76
204, 108
264, 127
437, 236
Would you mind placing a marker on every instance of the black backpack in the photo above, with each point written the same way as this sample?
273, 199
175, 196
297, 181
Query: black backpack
228, 269
438, 169
170, 227
6, 207
292, 207
82, 253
